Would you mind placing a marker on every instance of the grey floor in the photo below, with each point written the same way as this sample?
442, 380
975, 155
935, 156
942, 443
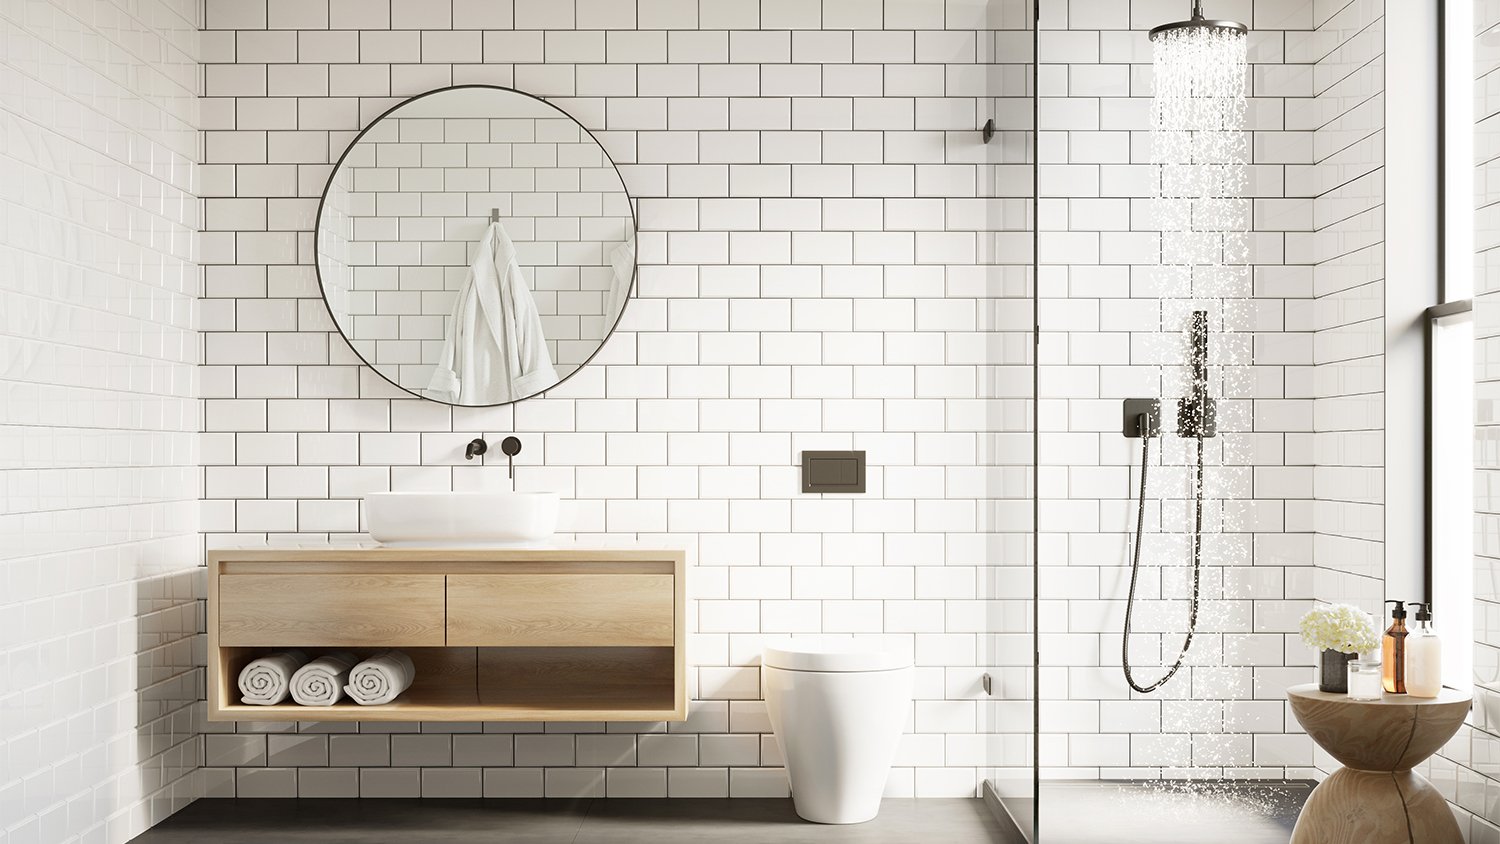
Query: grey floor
1237, 812
615, 821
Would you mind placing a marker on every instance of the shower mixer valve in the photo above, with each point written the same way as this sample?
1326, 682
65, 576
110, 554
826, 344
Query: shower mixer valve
1141, 418
1197, 413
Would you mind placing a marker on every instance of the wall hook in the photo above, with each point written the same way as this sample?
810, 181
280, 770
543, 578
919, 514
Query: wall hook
988, 132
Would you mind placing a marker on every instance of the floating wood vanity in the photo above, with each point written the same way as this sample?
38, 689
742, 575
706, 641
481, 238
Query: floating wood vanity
498, 634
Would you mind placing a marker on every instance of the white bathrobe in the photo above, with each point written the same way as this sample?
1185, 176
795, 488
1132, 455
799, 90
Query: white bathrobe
495, 351
622, 262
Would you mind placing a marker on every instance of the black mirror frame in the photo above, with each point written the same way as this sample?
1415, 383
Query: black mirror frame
317, 227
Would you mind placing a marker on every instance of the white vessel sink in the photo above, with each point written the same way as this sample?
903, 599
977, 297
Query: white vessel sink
459, 519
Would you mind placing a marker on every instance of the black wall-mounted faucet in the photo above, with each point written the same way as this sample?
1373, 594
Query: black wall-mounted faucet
511, 446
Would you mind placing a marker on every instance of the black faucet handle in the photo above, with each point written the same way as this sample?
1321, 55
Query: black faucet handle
511, 446
477, 446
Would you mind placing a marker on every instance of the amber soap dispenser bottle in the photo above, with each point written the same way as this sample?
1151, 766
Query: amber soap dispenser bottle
1393, 652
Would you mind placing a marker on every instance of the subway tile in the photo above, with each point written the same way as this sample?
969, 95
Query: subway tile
785, 198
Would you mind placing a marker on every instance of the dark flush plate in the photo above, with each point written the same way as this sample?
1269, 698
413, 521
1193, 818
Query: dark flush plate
833, 471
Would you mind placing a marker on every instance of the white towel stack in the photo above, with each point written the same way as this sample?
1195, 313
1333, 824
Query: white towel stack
266, 680
321, 682
381, 678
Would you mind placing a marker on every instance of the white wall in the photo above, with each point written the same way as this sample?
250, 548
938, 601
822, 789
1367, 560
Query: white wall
817, 271
98, 467
1349, 309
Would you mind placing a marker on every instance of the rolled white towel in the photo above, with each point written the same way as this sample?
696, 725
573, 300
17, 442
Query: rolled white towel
321, 682
266, 680
381, 678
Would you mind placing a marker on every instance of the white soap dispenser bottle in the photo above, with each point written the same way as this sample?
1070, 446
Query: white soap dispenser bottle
1424, 657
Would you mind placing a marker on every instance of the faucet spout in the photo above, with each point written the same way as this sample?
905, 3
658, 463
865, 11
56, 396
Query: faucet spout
476, 447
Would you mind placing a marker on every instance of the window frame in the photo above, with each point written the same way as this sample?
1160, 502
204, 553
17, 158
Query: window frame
1450, 590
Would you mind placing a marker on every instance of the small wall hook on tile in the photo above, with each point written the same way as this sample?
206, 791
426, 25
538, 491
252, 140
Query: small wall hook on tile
494, 215
988, 132
476, 447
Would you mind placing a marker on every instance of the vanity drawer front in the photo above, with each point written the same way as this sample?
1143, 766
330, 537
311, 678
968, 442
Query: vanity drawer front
327, 610
558, 610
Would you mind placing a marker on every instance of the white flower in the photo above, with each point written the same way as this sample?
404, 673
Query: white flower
1339, 627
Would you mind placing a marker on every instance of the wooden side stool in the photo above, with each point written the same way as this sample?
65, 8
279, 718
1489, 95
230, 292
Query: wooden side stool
1376, 798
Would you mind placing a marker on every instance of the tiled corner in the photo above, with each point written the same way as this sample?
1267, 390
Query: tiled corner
99, 420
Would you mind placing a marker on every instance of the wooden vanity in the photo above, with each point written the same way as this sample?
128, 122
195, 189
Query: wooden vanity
497, 634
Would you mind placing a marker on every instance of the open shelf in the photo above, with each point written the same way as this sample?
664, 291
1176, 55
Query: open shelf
492, 684
499, 635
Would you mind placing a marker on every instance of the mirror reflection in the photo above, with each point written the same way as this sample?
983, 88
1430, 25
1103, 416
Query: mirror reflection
476, 245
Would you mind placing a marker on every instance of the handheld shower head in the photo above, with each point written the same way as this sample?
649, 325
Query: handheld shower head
1195, 419
1196, 412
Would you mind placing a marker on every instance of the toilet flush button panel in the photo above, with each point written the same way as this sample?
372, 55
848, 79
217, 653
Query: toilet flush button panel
833, 471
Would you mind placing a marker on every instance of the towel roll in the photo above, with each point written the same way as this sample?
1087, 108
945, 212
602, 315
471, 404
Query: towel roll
321, 682
267, 680
381, 678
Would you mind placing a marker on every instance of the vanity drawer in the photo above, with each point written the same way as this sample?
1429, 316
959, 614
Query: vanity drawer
328, 610
556, 610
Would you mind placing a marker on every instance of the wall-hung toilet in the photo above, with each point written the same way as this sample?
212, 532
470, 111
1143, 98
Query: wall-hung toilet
838, 710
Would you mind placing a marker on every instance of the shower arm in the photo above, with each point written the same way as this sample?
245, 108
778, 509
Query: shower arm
1199, 21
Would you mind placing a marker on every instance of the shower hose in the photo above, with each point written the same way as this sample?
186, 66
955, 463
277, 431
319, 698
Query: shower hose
1135, 566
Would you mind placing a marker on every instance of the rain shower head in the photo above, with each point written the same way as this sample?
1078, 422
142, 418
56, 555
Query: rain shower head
1199, 22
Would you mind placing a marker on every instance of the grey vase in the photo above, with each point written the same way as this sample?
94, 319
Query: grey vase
1333, 672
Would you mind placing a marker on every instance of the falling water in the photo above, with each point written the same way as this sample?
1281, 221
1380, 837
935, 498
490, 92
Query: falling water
1199, 152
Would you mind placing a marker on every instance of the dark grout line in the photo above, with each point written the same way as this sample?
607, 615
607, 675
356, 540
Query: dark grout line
584, 818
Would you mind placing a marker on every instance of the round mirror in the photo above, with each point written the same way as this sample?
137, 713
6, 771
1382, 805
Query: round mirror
475, 245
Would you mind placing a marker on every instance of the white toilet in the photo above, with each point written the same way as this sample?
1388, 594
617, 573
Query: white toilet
838, 709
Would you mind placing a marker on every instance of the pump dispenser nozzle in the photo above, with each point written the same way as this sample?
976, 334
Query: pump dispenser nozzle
1393, 651
1424, 610
1424, 657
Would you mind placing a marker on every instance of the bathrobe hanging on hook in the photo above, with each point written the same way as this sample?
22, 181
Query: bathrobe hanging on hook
495, 351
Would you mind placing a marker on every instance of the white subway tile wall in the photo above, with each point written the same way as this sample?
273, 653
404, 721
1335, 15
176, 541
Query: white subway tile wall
1348, 337
1106, 333
1348, 334
830, 259
99, 563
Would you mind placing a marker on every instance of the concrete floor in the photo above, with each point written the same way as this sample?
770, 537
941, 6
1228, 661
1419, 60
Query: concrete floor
615, 821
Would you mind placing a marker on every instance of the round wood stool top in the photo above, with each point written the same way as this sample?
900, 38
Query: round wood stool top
1394, 733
